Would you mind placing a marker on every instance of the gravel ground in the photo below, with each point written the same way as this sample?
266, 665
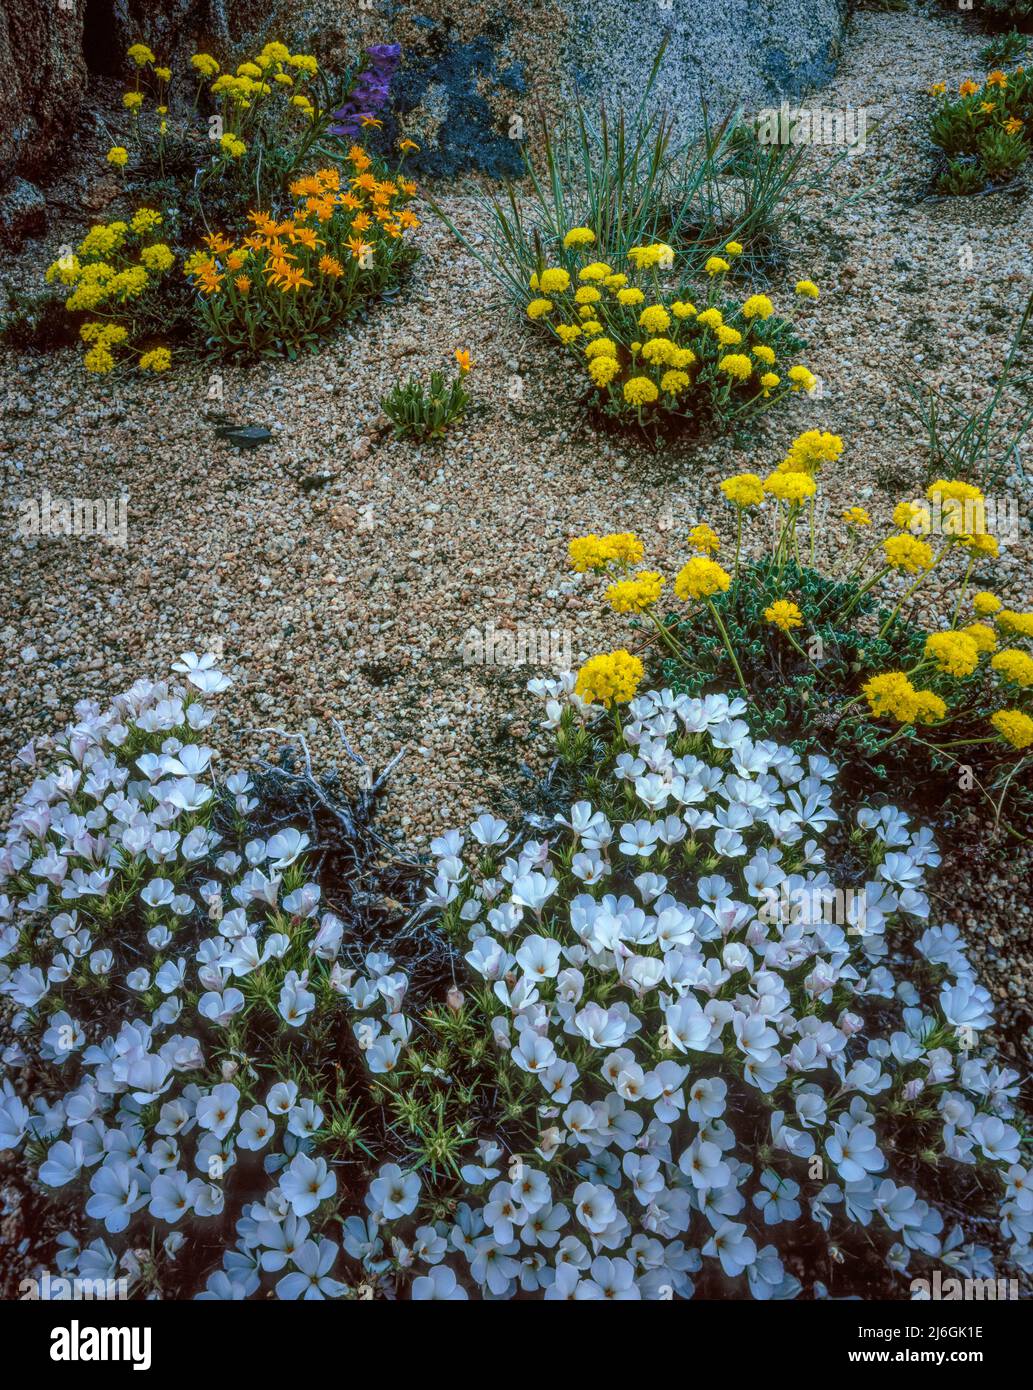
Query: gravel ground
339, 570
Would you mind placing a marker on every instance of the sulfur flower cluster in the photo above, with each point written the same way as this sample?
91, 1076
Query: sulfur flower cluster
649, 352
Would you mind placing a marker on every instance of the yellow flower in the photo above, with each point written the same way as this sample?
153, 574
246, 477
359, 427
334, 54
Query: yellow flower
144, 219
118, 156
955, 653
1013, 125
803, 379
728, 337
659, 350
601, 347
704, 539
98, 360
856, 516
986, 603
984, 637
1014, 726
587, 294
710, 318
784, 615
205, 64
157, 257
908, 517
700, 578
655, 319
635, 595
907, 553
758, 306
644, 257
157, 360
673, 382
1010, 621
937, 89
465, 361
968, 88
682, 309
790, 487
891, 693
132, 101
639, 390
736, 364
538, 308
953, 490
929, 708
769, 381
163, 75
602, 370
807, 288
631, 295
554, 281
140, 54
744, 490
1014, 666
981, 542
594, 552
810, 450
716, 266
733, 248
568, 332
764, 354
579, 236
233, 146
610, 679
997, 78
598, 270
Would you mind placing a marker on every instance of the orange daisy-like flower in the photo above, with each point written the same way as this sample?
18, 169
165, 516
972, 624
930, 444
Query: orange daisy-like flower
408, 219
968, 87
209, 280
464, 360
349, 201
359, 157
996, 78
293, 278
392, 230
263, 222
986, 106
330, 265
236, 259
360, 249
1013, 125
216, 242
407, 186
305, 236
329, 179
361, 223
242, 283
406, 145
372, 121
367, 182
301, 187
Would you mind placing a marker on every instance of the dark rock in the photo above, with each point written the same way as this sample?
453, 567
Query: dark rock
23, 213
245, 436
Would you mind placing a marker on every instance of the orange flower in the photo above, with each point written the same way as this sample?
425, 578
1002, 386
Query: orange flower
236, 259
305, 236
242, 283
464, 360
329, 265
367, 182
216, 242
407, 186
209, 280
408, 219
372, 121
406, 145
359, 248
938, 89
986, 106
263, 222
968, 87
359, 157
328, 179
361, 223
349, 201
996, 78
291, 278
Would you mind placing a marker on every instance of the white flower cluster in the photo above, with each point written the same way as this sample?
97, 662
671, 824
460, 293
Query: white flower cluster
730, 1067
116, 903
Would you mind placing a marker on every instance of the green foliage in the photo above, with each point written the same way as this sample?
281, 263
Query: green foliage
1004, 49
984, 134
36, 321
419, 413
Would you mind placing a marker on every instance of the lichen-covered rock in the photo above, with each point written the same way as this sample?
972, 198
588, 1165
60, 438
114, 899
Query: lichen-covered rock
42, 79
23, 212
476, 78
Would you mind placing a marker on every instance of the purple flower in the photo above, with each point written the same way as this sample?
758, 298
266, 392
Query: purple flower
370, 92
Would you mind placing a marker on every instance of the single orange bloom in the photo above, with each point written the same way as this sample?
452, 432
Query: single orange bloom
328, 178
305, 236
408, 219
407, 186
1013, 125
359, 248
967, 88
218, 243
464, 360
986, 106
996, 78
242, 283
329, 265
406, 145
359, 157
361, 223
349, 201
372, 121
367, 182
236, 259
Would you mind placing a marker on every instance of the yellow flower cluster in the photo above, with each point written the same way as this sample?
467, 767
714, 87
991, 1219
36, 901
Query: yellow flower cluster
701, 578
642, 350
597, 553
609, 679
635, 595
893, 694
784, 615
